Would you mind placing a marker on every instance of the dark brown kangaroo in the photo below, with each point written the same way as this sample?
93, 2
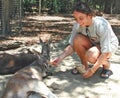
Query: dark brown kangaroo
9, 64
29, 79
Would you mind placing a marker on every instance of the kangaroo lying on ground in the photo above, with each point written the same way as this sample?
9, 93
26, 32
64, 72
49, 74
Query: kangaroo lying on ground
29, 79
9, 64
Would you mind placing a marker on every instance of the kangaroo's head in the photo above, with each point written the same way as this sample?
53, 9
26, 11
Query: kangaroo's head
45, 53
44, 57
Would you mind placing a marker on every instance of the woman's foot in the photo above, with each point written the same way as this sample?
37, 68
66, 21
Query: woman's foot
78, 69
106, 73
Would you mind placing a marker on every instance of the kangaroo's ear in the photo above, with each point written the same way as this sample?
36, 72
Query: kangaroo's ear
40, 40
49, 41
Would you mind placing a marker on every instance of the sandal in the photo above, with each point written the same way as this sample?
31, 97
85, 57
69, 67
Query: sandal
78, 70
106, 73
74, 71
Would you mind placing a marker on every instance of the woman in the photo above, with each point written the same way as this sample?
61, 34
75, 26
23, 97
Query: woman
93, 39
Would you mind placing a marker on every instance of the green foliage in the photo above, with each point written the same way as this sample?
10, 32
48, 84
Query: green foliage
29, 1
65, 6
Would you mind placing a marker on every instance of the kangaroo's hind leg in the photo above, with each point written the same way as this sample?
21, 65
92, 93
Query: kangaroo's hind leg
34, 95
43, 90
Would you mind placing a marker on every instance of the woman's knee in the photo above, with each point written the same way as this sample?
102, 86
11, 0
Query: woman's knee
92, 54
81, 40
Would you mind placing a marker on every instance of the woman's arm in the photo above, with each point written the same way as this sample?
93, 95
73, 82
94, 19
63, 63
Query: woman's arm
67, 51
102, 59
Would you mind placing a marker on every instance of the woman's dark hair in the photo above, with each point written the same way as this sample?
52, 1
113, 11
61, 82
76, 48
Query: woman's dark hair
83, 8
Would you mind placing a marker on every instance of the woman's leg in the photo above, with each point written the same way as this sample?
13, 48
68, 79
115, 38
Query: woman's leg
93, 54
80, 45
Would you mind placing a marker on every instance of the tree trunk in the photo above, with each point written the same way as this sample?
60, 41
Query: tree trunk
116, 7
107, 8
5, 17
39, 6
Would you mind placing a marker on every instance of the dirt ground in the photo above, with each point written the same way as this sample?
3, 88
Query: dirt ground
63, 83
57, 27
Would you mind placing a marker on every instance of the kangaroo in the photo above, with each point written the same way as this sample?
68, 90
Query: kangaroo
9, 63
29, 79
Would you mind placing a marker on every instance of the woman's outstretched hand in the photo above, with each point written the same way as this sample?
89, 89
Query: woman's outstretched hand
55, 62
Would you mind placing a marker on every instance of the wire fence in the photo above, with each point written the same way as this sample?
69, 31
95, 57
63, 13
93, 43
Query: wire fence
10, 16
0, 17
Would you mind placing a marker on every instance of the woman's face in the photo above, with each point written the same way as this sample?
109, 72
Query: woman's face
83, 19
